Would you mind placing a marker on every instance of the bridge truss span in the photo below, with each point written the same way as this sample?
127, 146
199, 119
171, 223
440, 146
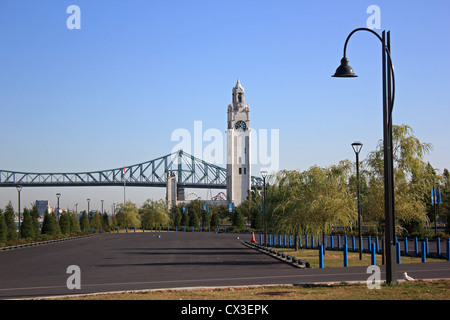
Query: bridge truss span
190, 171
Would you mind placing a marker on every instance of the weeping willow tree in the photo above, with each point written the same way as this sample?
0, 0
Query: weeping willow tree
311, 201
412, 180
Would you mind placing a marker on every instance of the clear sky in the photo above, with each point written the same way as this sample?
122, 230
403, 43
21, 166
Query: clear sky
113, 92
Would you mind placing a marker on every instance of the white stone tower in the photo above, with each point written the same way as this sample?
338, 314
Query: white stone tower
238, 148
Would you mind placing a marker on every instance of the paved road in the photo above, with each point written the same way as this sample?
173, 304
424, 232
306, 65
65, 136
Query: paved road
138, 261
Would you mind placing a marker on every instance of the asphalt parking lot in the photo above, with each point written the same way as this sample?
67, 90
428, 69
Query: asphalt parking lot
152, 260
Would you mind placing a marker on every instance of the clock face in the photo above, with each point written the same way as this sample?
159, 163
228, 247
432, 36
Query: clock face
240, 126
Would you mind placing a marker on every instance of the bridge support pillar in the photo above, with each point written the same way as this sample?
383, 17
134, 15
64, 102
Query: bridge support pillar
171, 190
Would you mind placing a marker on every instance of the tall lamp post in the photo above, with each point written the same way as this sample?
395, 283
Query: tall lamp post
264, 176
19, 188
57, 197
88, 200
346, 71
357, 146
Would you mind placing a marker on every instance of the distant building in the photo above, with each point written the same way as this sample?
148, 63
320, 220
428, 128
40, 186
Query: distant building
42, 206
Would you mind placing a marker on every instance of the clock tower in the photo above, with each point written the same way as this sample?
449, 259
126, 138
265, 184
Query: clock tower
238, 147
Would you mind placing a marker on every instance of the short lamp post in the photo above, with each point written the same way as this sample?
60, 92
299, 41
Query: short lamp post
346, 71
264, 176
357, 146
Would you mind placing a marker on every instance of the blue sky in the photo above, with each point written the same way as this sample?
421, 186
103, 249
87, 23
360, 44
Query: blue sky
113, 92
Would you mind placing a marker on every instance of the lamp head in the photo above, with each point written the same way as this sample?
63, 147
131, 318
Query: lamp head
264, 173
344, 70
357, 146
19, 187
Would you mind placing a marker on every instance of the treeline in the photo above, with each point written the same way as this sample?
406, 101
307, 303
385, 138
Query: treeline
155, 213
317, 200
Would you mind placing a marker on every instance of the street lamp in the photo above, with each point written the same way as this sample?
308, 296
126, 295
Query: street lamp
57, 197
345, 71
264, 176
88, 200
102, 206
357, 146
19, 188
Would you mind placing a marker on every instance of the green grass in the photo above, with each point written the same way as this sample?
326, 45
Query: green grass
335, 258
417, 290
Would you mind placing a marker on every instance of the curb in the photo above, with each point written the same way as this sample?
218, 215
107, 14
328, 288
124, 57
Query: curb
280, 256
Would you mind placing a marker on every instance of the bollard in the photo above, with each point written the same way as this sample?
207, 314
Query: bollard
306, 241
426, 247
373, 253
126, 228
109, 230
416, 246
448, 249
406, 246
117, 230
321, 256
200, 228
192, 228
353, 243
339, 242
134, 229
369, 243
290, 241
143, 229
438, 247
397, 247
424, 252
312, 242
184, 228
377, 244
284, 242
332, 242
345, 255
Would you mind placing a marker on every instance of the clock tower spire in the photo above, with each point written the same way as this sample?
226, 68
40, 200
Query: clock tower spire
238, 147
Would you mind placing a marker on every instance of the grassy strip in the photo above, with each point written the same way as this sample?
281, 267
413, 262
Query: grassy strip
417, 290
335, 258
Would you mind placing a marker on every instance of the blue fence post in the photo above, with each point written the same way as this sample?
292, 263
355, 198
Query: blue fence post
424, 252
377, 246
406, 246
320, 256
325, 241
448, 249
416, 246
134, 229
184, 228
279, 241
438, 247
345, 241
369, 243
426, 248
260, 238
167, 228
353, 243
372, 246
290, 241
270, 240
339, 242
397, 246
345, 255
318, 241
117, 230
361, 243
126, 228
312, 242
109, 230
332, 242
306, 241
284, 241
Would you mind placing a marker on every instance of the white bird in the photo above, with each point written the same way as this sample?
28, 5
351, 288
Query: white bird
406, 277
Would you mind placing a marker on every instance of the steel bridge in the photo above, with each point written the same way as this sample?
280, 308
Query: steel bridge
190, 172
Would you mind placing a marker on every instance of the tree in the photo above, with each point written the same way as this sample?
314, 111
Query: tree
3, 229
128, 216
413, 180
84, 221
154, 213
10, 223
75, 224
35, 219
48, 225
26, 227
238, 219
64, 223
193, 218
